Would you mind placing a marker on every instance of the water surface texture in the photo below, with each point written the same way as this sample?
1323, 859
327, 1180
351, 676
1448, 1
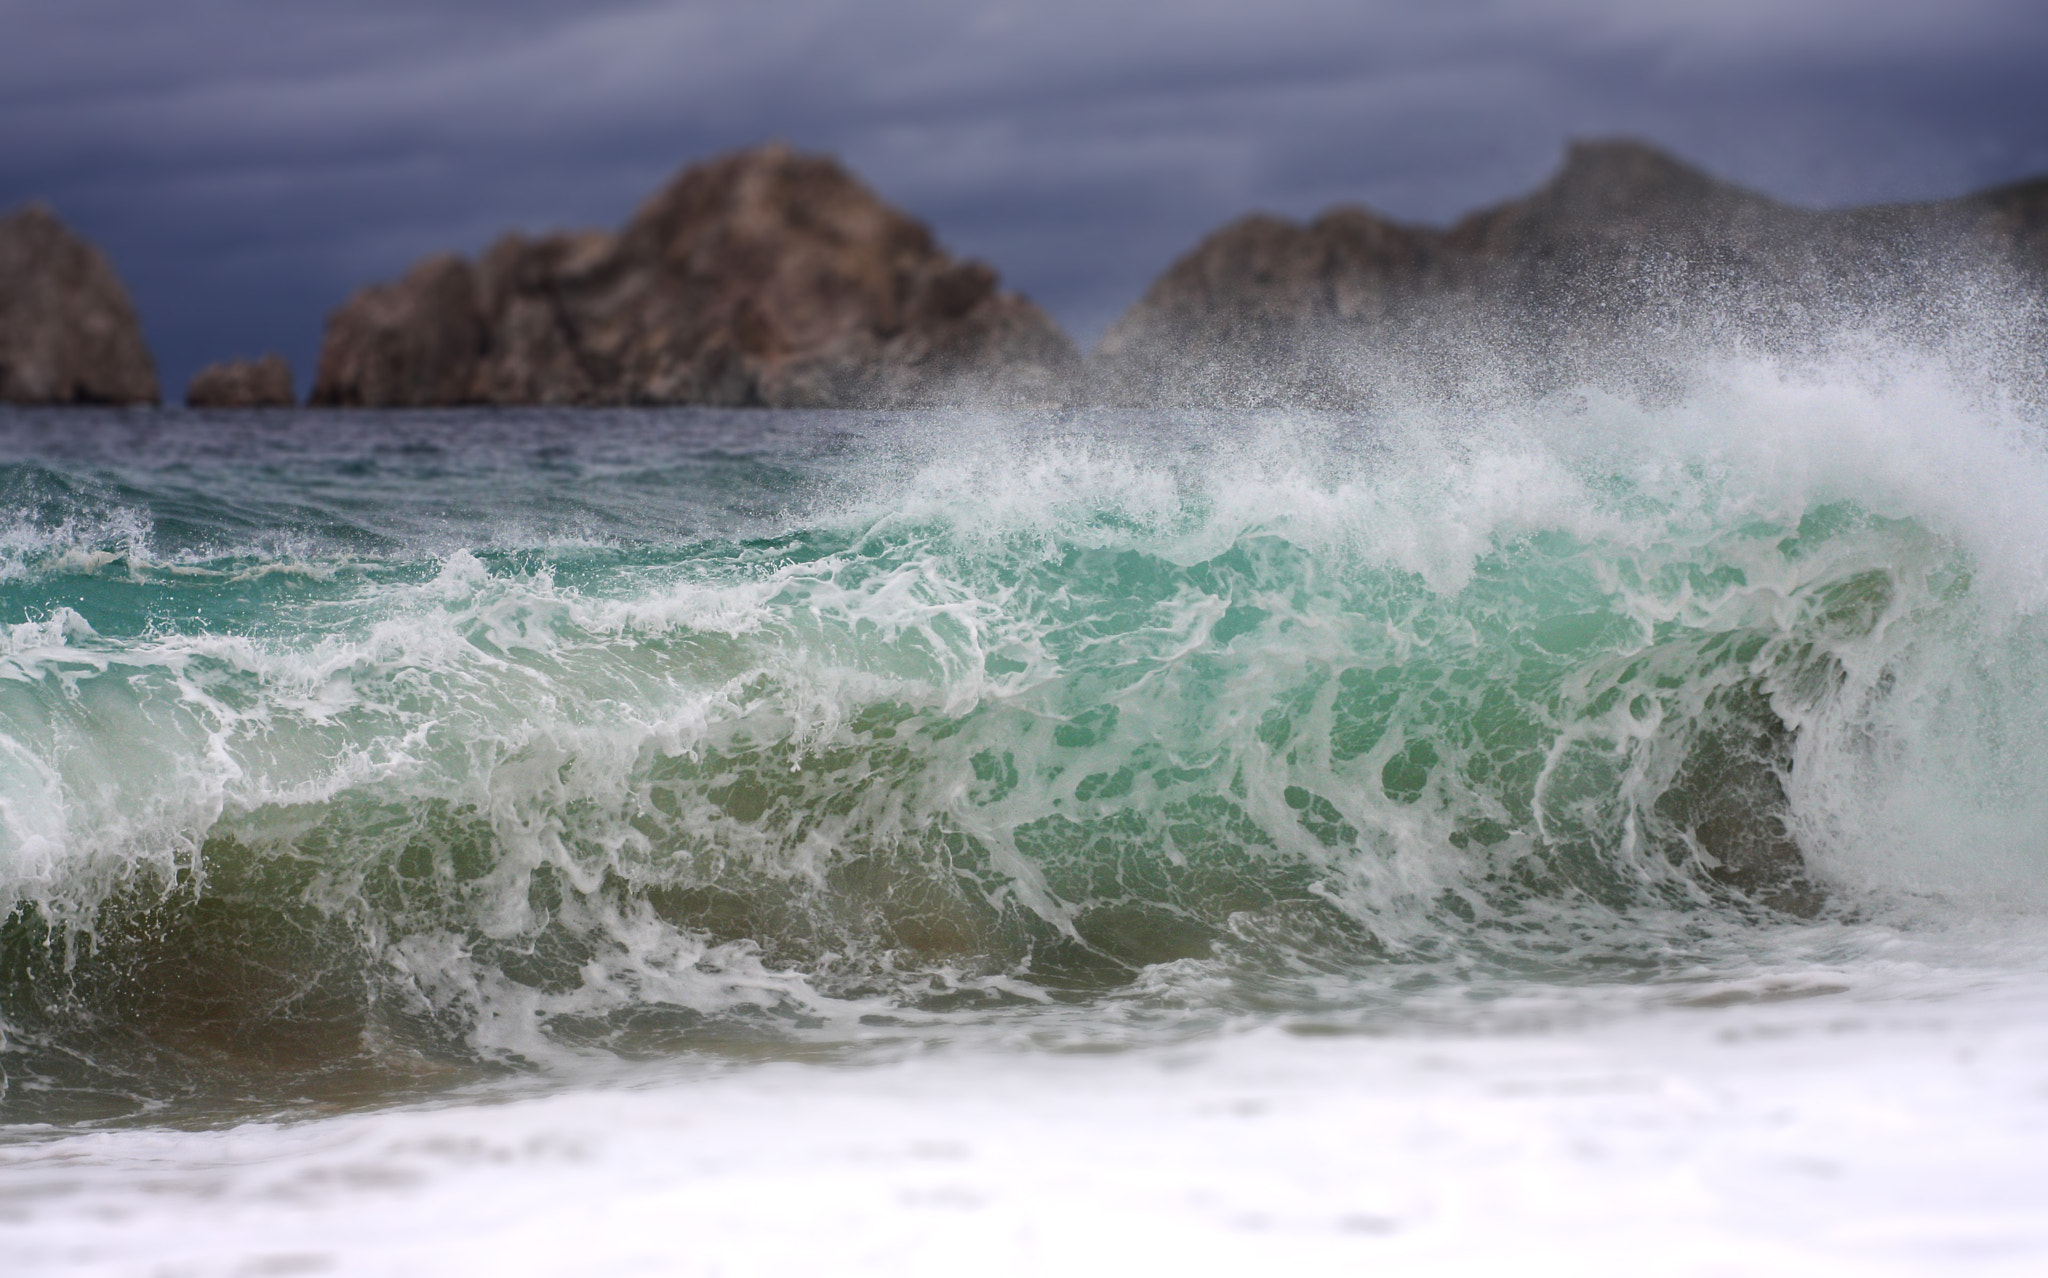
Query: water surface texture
356, 766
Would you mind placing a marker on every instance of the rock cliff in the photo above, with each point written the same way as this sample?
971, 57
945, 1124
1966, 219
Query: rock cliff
763, 277
68, 331
1624, 258
242, 383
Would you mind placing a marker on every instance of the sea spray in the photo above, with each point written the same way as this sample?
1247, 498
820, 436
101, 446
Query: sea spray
951, 722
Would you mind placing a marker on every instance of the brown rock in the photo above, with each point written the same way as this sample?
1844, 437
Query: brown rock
242, 383
763, 277
68, 331
2014, 216
532, 354
1618, 266
412, 344
1260, 306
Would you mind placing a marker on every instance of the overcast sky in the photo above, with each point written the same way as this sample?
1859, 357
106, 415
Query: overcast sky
248, 162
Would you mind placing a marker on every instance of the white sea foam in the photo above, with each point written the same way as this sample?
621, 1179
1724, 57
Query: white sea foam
1894, 1129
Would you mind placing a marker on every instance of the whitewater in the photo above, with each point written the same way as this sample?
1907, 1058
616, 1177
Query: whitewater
1589, 830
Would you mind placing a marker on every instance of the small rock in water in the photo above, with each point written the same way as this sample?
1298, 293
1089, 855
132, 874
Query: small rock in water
242, 383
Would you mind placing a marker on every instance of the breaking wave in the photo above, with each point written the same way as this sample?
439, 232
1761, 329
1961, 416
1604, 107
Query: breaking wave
1125, 719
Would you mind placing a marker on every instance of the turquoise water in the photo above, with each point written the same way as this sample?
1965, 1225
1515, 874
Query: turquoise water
351, 757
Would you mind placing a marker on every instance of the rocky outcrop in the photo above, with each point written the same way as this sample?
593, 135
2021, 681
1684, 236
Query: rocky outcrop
242, 383
68, 331
414, 343
764, 277
2012, 220
1623, 262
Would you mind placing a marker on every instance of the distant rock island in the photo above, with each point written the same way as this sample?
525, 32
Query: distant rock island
763, 277
1623, 256
68, 331
770, 277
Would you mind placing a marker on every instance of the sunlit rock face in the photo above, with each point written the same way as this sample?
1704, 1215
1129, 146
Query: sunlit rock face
1624, 261
68, 331
764, 277
242, 383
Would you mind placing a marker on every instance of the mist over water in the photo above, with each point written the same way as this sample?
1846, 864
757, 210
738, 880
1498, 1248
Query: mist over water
351, 757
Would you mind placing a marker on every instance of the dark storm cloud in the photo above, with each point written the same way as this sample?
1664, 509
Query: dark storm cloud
248, 162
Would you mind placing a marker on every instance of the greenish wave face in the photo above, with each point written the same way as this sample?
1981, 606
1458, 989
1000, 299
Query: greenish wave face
322, 758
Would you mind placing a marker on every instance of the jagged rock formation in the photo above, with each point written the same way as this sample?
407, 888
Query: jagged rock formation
242, 383
1625, 257
68, 331
764, 277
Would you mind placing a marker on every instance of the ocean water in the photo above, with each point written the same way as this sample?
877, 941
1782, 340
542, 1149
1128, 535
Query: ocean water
1500, 832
